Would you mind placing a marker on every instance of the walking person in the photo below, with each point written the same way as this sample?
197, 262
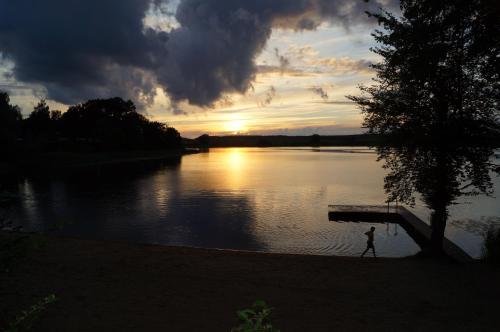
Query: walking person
369, 242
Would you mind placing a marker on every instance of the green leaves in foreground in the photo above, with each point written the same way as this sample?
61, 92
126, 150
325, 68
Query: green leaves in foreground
255, 319
25, 320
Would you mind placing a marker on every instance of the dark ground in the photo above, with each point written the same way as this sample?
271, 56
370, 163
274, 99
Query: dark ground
111, 286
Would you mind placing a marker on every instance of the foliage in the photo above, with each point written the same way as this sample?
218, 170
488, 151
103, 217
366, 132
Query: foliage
439, 77
436, 96
10, 118
255, 319
25, 320
112, 124
96, 125
315, 140
439, 174
40, 119
204, 140
9, 114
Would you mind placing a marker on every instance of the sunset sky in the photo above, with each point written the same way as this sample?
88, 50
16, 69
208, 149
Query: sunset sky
216, 67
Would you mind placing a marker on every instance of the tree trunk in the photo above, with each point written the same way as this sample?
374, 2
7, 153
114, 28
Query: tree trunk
438, 224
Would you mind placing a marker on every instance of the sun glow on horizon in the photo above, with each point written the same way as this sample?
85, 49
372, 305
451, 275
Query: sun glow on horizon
281, 101
235, 126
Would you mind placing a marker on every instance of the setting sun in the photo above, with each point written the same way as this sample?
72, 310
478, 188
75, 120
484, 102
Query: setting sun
235, 126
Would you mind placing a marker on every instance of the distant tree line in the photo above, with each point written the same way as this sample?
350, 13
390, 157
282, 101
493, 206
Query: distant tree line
96, 125
315, 140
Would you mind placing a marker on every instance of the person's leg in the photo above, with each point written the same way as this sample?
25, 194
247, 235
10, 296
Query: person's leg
364, 252
373, 249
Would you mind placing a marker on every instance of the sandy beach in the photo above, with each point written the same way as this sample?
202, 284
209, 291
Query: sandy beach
105, 286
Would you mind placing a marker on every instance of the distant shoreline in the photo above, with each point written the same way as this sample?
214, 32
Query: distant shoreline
284, 141
359, 140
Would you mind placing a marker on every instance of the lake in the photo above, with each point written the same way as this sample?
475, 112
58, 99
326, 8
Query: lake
259, 199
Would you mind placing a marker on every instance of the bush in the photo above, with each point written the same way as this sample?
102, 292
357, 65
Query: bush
255, 319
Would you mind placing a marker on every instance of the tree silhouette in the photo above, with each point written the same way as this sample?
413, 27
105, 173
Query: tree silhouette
10, 120
436, 95
204, 141
41, 128
40, 114
315, 140
96, 125
114, 124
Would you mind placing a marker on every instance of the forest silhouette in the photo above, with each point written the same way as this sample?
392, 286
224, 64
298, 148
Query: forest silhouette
94, 126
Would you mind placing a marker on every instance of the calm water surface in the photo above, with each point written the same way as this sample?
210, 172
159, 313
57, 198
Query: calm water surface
273, 200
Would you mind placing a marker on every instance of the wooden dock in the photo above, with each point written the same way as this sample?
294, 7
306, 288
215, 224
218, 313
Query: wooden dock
418, 230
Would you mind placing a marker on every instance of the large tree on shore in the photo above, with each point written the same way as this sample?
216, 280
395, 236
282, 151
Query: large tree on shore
437, 95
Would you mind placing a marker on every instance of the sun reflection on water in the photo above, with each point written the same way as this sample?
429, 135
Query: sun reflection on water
235, 163
235, 159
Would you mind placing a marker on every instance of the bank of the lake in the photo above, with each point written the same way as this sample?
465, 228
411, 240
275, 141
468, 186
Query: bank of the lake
51, 162
103, 286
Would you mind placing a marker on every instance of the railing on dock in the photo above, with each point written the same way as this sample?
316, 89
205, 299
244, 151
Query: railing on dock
364, 213
364, 208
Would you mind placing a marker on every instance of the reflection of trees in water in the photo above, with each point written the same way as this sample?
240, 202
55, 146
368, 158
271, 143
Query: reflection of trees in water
440, 174
479, 226
143, 202
60, 201
487, 228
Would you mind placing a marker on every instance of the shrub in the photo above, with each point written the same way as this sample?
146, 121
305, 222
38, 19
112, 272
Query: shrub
255, 319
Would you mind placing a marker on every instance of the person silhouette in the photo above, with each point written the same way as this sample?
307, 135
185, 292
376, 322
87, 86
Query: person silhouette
369, 242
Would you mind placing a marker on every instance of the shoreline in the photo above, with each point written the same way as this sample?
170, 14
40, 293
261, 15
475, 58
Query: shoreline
9, 232
74, 161
104, 285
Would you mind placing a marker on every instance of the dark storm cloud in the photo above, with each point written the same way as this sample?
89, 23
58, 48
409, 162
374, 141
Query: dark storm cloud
86, 49
213, 50
80, 49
